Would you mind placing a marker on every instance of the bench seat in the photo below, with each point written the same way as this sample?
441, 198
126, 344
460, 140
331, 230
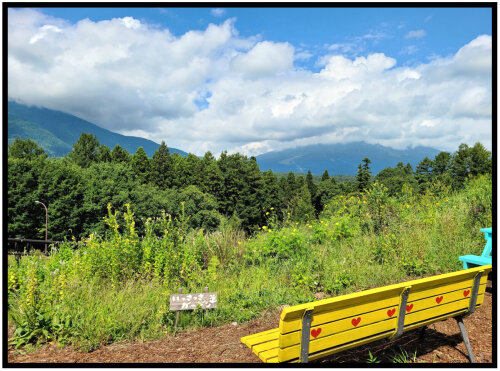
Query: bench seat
348, 321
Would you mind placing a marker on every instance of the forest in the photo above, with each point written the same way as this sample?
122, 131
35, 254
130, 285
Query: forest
78, 187
137, 229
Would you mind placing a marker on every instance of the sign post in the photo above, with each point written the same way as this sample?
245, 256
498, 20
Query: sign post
180, 301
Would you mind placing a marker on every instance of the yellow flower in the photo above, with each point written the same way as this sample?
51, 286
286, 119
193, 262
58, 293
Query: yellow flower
272, 208
239, 242
310, 226
264, 227
437, 203
267, 213
337, 223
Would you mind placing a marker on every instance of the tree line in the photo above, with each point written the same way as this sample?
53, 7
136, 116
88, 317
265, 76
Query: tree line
204, 192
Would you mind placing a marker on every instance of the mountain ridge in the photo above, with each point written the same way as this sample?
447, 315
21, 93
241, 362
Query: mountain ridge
54, 131
341, 158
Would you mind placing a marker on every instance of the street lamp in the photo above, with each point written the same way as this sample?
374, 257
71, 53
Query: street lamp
46, 222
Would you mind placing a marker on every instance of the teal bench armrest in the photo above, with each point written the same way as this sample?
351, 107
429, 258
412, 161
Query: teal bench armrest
471, 261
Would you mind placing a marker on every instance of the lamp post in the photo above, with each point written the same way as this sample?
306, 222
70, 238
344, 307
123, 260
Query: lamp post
46, 222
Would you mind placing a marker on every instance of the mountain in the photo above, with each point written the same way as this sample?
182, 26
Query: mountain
56, 131
340, 158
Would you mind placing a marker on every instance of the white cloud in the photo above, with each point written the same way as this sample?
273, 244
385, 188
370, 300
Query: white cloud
265, 58
415, 34
218, 12
138, 80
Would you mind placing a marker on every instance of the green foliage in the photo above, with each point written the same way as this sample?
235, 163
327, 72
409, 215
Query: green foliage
25, 149
118, 154
85, 150
364, 174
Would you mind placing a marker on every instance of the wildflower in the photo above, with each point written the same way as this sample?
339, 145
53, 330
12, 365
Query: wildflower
267, 213
272, 208
337, 223
239, 242
310, 226
264, 227
437, 203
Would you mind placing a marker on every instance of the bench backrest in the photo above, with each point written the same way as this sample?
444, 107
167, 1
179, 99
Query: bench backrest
351, 320
488, 235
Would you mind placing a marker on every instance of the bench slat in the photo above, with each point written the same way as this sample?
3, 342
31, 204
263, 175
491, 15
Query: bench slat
260, 337
381, 305
341, 325
269, 356
319, 318
258, 348
297, 311
441, 310
320, 344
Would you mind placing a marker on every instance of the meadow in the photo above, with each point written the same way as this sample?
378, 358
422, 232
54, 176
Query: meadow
116, 286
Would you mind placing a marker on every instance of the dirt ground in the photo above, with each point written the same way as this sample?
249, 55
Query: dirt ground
442, 343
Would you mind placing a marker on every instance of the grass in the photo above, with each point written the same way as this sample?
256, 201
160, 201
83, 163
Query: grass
117, 288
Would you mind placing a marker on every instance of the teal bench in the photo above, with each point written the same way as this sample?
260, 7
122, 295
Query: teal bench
471, 261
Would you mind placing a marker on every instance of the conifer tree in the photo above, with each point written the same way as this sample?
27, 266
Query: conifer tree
364, 174
325, 176
119, 154
141, 165
85, 150
161, 167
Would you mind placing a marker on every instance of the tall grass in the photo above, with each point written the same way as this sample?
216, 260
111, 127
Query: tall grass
116, 287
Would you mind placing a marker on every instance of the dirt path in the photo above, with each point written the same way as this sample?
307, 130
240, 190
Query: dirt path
442, 344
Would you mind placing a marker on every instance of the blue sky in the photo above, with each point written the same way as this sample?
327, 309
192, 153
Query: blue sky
260, 79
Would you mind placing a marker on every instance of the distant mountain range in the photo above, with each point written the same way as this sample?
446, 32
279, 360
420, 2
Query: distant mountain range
342, 158
56, 131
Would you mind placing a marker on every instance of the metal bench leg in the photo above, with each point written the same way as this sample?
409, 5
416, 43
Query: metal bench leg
422, 333
465, 338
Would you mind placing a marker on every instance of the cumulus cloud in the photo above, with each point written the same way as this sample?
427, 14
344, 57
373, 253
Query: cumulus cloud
265, 58
218, 12
415, 34
135, 79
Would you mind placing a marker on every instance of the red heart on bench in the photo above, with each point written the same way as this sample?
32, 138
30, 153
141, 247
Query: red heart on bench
409, 307
439, 299
466, 293
315, 332
355, 321
391, 312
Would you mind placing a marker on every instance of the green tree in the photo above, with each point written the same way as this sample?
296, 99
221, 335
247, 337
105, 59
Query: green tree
325, 176
310, 184
104, 154
141, 165
364, 175
85, 150
301, 207
120, 154
423, 173
24, 217
325, 191
25, 149
208, 176
395, 178
162, 167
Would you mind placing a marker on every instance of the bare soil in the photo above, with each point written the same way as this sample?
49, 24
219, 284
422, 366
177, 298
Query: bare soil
442, 343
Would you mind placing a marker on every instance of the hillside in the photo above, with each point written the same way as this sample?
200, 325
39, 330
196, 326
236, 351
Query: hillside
56, 131
342, 158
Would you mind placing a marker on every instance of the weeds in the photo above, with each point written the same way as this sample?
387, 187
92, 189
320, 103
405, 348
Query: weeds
116, 286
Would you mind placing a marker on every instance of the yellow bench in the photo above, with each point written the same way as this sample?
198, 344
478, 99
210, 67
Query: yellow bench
314, 330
